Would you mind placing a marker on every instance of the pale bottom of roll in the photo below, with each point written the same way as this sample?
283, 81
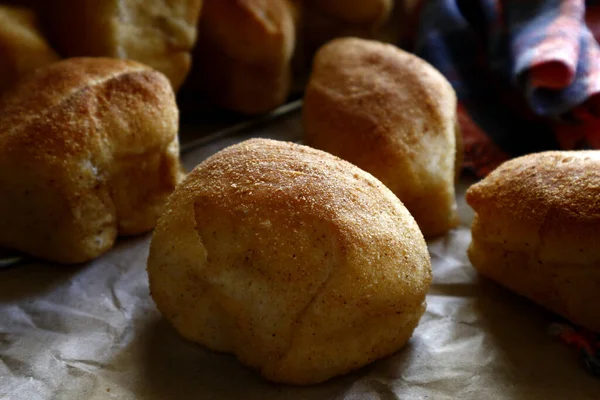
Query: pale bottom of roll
570, 290
329, 356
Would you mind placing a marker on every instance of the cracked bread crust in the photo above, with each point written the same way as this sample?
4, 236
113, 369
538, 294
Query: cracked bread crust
536, 231
299, 263
88, 151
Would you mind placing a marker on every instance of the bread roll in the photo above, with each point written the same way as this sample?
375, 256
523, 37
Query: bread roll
22, 46
157, 33
245, 48
391, 114
537, 231
299, 263
88, 151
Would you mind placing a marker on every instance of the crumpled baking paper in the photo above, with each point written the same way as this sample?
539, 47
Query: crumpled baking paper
92, 332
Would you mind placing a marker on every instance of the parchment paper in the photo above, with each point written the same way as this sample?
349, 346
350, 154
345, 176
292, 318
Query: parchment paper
92, 332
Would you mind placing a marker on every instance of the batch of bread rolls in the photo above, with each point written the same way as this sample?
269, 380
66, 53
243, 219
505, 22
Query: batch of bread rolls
304, 262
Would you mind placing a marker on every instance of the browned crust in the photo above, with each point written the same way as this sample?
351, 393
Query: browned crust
88, 150
391, 114
537, 230
549, 201
337, 258
567, 182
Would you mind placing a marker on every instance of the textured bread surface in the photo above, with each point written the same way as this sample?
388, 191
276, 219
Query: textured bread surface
391, 114
88, 151
22, 45
245, 48
299, 263
157, 33
537, 231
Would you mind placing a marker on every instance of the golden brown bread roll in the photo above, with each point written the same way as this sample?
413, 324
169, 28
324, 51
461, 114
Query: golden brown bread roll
393, 115
160, 34
299, 263
244, 53
88, 151
537, 231
22, 46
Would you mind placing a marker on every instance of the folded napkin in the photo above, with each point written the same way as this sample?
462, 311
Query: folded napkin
526, 72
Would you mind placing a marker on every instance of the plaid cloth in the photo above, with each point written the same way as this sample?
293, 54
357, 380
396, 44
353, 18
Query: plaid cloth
527, 77
526, 72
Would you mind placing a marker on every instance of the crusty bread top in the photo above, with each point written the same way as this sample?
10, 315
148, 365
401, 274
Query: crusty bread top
297, 183
288, 256
391, 114
550, 200
61, 81
62, 98
564, 182
88, 150
377, 89
359, 68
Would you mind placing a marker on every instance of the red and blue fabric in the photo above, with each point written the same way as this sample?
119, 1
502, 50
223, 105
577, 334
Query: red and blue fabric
526, 72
